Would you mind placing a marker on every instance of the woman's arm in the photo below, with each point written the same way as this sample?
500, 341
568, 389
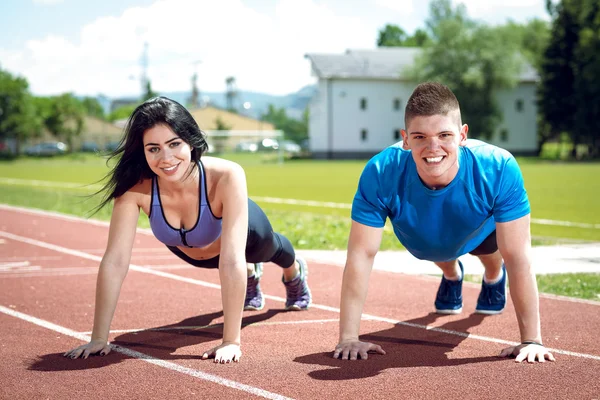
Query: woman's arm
112, 272
232, 261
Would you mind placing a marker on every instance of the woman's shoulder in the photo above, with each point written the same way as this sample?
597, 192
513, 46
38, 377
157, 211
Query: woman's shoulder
139, 191
221, 167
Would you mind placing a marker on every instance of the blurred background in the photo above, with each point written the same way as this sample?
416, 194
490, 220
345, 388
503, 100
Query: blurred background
306, 78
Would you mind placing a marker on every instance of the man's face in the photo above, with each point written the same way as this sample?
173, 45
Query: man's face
434, 141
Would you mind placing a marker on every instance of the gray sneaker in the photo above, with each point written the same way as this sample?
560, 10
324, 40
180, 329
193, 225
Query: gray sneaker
254, 298
298, 295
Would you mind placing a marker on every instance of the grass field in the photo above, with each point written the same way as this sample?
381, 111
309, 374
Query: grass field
558, 191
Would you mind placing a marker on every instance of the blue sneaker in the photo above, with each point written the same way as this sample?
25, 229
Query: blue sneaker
449, 295
254, 298
298, 295
492, 298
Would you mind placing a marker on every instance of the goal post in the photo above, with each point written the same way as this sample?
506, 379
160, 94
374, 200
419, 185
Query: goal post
259, 145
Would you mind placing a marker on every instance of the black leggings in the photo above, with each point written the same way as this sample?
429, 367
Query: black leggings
262, 245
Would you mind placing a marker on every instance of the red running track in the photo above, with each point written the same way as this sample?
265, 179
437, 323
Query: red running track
169, 313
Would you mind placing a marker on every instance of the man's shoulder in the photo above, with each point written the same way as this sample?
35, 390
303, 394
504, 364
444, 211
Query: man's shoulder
487, 154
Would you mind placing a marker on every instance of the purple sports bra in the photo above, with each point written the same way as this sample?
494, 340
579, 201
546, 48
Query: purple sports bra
206, 230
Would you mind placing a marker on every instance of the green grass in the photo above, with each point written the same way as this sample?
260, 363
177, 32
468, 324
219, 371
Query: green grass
581, 285
557, 191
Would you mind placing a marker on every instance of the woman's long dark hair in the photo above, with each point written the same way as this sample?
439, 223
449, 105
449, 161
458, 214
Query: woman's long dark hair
131, 166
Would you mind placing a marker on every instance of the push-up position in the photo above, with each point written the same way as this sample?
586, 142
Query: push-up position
445, 196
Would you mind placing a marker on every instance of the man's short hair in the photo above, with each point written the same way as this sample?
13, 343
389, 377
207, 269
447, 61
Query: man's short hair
431, 98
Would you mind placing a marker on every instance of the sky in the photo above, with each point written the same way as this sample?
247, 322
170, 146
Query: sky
96, 47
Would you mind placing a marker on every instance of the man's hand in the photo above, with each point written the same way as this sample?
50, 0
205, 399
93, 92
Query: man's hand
224, 353
529, 352
350, 350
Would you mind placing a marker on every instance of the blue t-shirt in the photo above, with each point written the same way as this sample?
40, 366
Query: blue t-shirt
443, 224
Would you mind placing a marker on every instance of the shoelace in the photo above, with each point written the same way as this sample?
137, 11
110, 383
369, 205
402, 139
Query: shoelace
489, 294
297, 290
446, 289
251, 287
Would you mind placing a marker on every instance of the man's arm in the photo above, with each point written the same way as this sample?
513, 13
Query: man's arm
363, 244
514, 243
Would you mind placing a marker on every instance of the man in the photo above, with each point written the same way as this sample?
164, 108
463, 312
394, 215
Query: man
445, 197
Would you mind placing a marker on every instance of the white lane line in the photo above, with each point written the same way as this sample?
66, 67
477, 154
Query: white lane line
218, 325
277, 200
147, 358
281, 299
17, 264
28, 259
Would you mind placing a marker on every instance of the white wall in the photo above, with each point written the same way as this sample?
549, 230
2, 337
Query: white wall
520, 126
380, 119
317, 122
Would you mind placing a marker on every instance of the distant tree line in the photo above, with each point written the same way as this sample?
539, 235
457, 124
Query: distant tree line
24, 116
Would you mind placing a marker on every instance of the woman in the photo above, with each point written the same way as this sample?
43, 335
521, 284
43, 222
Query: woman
200, 210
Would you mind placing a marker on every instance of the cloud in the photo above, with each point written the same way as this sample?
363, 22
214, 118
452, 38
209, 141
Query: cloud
263, 52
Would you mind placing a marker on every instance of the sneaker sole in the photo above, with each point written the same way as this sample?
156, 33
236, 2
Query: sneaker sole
296, 308
252, 308
449, 312
488, 312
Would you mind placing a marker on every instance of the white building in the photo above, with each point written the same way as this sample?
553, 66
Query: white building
358, 109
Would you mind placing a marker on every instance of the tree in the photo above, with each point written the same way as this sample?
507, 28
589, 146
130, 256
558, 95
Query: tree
92, 107
65, 118
474, 60
18, 117
391, 36
148, 93
587, 87
533, 37
293, 129
556, 100
121, 112
394, 36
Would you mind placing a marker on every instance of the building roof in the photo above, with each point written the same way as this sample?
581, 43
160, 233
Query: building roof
96, 126
380, 63
206, 118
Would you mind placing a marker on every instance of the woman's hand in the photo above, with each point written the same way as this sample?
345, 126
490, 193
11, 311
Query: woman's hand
93, 347
528, 351
355, 349
224, 353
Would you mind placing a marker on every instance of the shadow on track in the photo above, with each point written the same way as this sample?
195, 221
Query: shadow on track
160, 342
406, 347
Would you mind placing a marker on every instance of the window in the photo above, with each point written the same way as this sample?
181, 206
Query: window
519, 105
397, 134
504, 135
363, 135
397, 104
363, 103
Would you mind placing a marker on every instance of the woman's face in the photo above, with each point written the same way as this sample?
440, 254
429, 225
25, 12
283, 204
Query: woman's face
168, 156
